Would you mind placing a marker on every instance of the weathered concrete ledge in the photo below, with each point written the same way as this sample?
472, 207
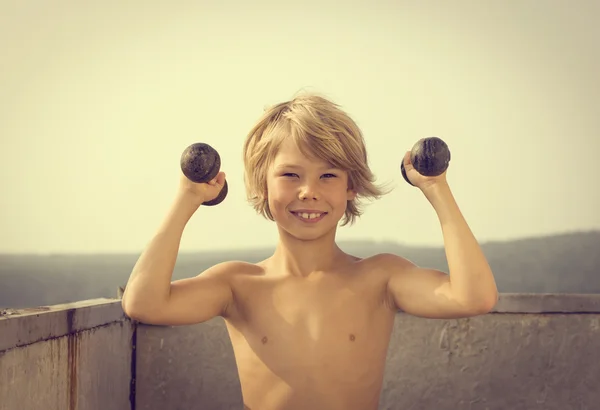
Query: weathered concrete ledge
21, 327
547, 303
533, 351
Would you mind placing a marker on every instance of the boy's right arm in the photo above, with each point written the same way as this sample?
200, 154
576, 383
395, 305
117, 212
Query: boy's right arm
150, 297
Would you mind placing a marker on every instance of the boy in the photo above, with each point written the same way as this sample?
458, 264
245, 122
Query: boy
310, 325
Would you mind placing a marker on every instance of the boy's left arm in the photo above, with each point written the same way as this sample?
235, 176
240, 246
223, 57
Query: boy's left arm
469, 289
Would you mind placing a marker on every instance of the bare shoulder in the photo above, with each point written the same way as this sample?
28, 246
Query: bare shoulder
377, 271
230, 269
229, 273
387, 263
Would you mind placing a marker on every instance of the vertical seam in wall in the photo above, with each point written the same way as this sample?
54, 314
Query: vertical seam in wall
132, 384
72, 359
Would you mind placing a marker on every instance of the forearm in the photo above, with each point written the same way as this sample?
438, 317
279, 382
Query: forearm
150, 280
471, 278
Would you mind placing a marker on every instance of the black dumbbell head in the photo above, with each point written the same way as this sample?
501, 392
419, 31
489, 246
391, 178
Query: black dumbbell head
430, 156
219, 197
200, 162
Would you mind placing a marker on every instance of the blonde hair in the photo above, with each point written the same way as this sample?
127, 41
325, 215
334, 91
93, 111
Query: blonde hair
320, 129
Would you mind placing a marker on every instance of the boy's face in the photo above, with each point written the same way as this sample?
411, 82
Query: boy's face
307, 196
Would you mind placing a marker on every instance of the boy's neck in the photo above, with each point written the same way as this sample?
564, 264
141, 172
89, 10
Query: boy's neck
300, 258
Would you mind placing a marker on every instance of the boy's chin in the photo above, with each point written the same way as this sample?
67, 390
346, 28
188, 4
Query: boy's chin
307, 236
306, 233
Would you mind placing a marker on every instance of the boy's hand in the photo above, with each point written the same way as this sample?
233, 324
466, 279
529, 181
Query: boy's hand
420, 181
201, 192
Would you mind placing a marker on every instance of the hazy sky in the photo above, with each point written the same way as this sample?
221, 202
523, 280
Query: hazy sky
98, 101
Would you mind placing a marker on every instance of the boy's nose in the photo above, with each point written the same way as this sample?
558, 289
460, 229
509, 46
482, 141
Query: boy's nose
308, 192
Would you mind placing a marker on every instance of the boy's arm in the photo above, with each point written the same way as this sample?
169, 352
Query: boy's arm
150, 297
469, 290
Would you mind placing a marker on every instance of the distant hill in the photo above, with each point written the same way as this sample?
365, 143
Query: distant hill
567, 263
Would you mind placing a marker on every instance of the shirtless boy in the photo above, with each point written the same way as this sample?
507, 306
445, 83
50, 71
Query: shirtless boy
310, 325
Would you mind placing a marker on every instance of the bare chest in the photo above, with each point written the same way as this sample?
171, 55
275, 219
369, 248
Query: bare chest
303, 342
304, 323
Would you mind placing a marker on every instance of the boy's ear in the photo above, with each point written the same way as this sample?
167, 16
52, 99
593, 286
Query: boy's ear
350, 194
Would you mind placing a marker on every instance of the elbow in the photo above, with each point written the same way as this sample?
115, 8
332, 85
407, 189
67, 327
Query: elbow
138, 313
126, 305
487, 307
481, 305
129, 311
492, 298
488, 298
487, 304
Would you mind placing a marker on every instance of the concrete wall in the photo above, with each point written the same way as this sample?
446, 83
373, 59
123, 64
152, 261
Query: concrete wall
66, 357
532, 352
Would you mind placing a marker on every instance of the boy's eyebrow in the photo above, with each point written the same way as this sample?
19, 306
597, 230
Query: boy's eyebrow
294, 166
288, 166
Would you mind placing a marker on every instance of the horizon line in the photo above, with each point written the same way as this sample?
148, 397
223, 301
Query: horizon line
266, 247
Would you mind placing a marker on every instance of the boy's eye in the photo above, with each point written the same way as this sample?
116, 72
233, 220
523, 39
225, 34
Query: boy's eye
293, 175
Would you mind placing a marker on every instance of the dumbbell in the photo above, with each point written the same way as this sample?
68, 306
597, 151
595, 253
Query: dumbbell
200, 163
429, 156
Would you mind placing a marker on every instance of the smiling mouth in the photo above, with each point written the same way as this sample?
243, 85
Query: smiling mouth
309, 216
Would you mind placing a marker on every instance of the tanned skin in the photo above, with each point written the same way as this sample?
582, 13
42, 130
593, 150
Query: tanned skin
310, 325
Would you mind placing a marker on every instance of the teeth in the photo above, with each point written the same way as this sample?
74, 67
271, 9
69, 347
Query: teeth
309, 216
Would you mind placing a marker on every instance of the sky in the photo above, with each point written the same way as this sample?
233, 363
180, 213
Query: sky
99, 99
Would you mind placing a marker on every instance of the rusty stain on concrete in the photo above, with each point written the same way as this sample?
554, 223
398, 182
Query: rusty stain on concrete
132, 383
73, 359
69, 359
